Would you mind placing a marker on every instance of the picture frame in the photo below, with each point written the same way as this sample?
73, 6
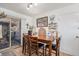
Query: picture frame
42, 22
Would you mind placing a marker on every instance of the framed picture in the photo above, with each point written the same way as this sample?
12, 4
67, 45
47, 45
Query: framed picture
42, 22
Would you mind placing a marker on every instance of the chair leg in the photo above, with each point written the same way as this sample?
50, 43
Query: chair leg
37, 53
43, 51
29, 49
58, 52
24, 48
37, 50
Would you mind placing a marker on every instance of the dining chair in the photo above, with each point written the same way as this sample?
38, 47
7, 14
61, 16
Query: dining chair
42, 35
55, 47
26, 44
35, 46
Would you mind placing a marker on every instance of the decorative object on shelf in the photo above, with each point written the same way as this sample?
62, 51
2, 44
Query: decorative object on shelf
52, 26
42, 22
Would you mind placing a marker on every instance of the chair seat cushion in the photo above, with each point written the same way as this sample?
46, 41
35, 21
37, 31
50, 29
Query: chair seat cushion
53, 46
40, 45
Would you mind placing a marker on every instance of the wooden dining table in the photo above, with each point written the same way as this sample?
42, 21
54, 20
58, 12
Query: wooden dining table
47, 42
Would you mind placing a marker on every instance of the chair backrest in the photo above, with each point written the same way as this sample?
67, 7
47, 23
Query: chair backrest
26, 39
34, 39
33, 43
42, 33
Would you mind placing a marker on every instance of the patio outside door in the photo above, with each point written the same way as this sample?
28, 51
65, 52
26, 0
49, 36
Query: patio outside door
4, 33
10, 33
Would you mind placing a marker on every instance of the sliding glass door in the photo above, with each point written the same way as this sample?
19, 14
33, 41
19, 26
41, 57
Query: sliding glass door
10, 32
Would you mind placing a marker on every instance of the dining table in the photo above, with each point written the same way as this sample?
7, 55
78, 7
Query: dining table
46, 42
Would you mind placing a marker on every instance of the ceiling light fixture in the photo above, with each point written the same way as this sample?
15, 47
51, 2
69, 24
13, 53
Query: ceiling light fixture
29, 5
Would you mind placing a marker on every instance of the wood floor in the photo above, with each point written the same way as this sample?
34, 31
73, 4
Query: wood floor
18, 52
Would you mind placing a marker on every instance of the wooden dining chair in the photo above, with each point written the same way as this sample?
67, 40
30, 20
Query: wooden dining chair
42, 35
55, 47
26, 44
33, 45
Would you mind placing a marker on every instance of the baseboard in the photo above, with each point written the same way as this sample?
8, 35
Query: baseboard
66, 53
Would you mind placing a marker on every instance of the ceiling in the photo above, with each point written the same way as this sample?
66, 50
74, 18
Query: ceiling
35, 10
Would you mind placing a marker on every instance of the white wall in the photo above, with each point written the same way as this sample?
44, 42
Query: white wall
29, 21
68, 24
69, 28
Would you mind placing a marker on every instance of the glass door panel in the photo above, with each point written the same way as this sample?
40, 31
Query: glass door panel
10, 32
15, 32
4, 33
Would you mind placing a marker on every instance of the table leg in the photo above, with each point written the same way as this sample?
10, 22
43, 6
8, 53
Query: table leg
50, 48
29, 48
